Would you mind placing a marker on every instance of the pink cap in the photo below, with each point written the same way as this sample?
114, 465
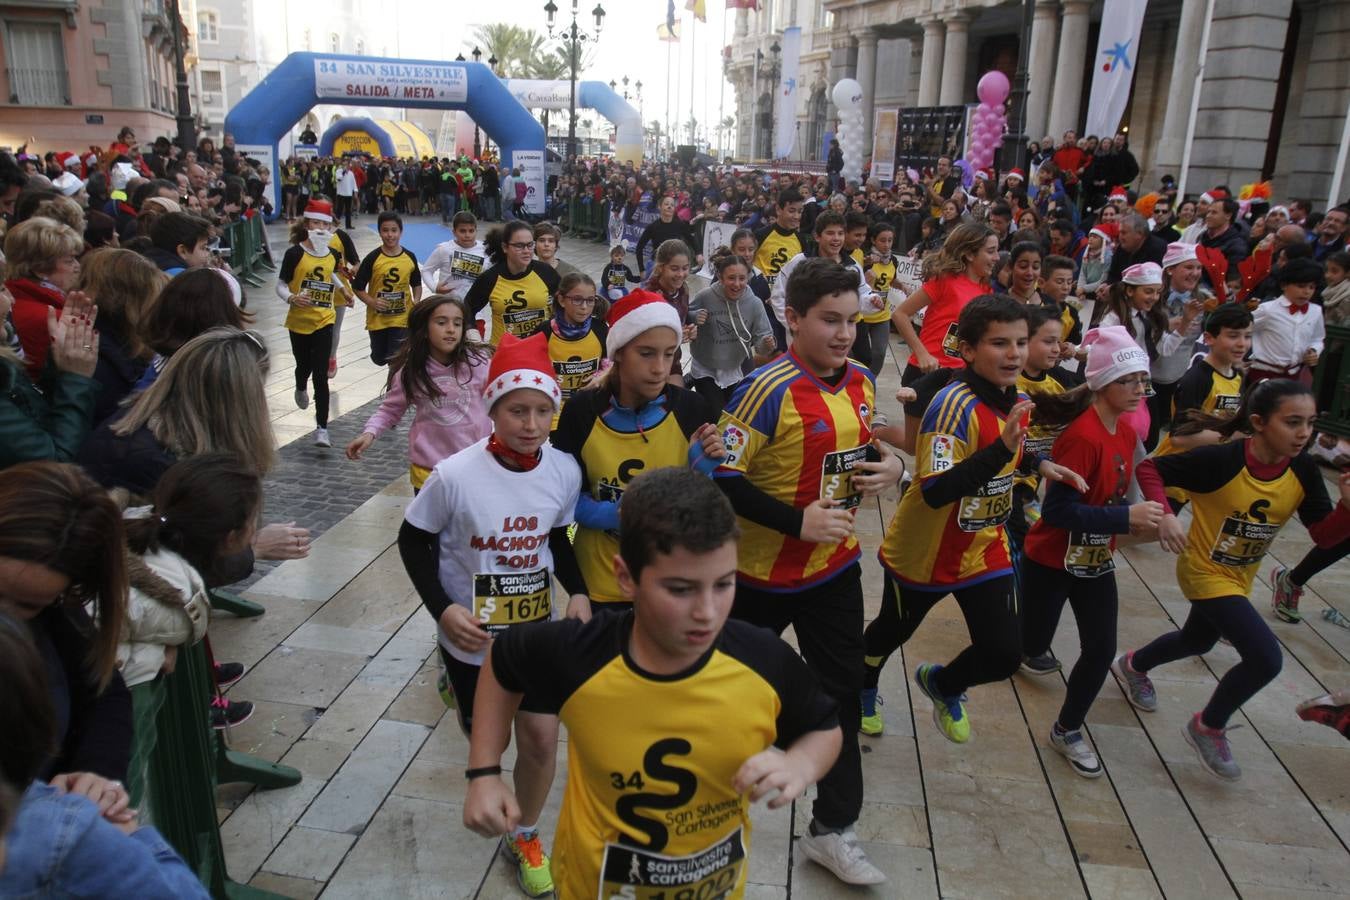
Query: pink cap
1142, 273
1177, 253
1111, 354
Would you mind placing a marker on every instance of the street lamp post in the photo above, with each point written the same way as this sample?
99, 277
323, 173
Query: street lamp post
572, 36
187, 132
1015, 140
477, 139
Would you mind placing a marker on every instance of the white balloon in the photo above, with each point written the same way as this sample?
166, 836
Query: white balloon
847, 94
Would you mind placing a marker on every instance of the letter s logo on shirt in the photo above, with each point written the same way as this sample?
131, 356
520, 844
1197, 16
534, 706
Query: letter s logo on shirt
657, 769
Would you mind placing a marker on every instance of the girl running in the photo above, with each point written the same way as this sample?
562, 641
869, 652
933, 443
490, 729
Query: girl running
874, 330
744, 245
576, 338
310, 285
669, 274
1134, 303
1068, 551
476, 545
736, 334
1241, 492
517, 287
633, 421
441, 375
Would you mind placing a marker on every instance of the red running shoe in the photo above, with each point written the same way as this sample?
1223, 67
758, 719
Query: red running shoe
1332, 710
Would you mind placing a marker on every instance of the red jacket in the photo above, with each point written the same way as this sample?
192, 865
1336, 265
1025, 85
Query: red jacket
31, 302
1070, 160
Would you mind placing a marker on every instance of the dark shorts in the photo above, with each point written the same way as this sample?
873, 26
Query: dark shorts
464, 684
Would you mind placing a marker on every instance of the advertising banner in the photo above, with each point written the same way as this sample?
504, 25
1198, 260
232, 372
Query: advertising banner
343, 79
531, 165
886, 124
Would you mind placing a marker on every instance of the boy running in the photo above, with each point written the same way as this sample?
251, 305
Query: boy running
453, 265
388, 283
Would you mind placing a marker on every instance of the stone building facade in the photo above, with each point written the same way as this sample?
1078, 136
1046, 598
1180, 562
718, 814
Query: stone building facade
1273, 96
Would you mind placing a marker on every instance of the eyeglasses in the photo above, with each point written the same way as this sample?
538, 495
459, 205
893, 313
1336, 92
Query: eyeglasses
583, 301
1133, 381
521, 245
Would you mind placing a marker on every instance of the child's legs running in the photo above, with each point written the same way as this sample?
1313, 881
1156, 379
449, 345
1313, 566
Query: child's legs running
536, 758
878, 338
1316, 560
300, 350
318, 363
385, 344
463, 679
1043, 592
338, 311
1095, 603
1238, 621
902, 609
995, 649
1197, 635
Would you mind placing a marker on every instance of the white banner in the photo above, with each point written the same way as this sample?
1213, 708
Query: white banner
1117, 53
785, 102
534, 94
531, 165
348, 79
885, 127
715, 234
908, 275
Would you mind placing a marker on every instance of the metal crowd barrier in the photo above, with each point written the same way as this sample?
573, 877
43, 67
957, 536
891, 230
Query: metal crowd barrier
1331, 383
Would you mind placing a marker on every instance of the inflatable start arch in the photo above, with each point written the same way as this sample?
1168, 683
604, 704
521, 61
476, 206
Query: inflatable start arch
304, 80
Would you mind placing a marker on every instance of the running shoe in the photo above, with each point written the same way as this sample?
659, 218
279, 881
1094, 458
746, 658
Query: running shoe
1138, 686
332, 366
229, 713
1336, 617
1285, 596
1211, 746
840, 853
1045, 664
228, 673
1072, 747
533, 872
872, 724
302, 398
949, 715
1332, 710
321, 438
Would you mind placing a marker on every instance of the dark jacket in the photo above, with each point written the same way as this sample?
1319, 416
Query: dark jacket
169, 263
117, 372
46, 424
1230, 243
135, 461
1152, 250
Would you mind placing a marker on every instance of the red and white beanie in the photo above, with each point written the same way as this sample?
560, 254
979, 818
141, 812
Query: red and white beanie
521, 363
1215, 194
321, 210
1119, 193
1109, 232
639, 311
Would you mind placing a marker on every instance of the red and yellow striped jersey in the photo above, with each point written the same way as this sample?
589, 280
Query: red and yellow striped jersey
797, 439
963, 542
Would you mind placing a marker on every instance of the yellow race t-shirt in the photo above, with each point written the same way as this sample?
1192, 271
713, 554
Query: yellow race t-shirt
519, 303
391, 279
315, 278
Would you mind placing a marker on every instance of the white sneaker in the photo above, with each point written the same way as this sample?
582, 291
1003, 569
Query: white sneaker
321, 438
1072, 747
841, 854
302, 398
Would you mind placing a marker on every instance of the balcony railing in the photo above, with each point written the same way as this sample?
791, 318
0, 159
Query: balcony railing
38, 87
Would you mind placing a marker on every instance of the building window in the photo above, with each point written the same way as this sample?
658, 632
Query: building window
208, 27
335, 42
360, 47
36, 64
213, 88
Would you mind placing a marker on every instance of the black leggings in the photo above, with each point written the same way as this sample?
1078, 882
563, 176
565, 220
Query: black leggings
707, 388
1094, 602
995, 649
311, 361
385, 344
1159, 411
1316, 560
1233, 618
869, 347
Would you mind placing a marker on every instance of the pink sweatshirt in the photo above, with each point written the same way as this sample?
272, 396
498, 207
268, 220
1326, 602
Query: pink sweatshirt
441, 427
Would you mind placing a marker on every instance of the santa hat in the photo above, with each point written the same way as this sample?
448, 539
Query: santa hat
1109, 232
639, 311
1177, 253
1119, 193
1111, 354
321, 210
1018, 174
1211, 196
1142, 273
522, 363
68, 160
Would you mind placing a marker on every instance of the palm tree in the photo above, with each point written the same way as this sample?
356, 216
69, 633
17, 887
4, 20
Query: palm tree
510, 44
692, 127
728, 126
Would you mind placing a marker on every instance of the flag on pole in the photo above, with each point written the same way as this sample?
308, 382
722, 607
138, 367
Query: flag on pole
670, 15
1117, 54
699, 8
664, 32
785, 103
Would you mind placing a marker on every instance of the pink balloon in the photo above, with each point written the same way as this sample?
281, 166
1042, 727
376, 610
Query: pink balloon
993, 87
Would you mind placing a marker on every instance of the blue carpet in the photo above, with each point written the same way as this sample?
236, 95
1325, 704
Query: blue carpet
421, 237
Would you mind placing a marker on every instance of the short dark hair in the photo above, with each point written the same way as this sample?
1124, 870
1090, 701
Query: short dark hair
175, 229
983, 311
672, 507
1299, 271
1339, 258
1230, 207
854, 219
1227, 315
815, 278
1022, 248
463, 217
789, 195
1063, 226
1053, 263
1000, 209
388, 216
878, 227
1040, 315
826, 219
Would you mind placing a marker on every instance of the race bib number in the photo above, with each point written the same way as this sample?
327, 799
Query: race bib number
1088, 555
523, 322
1039, 445
950, 345
319, 293
1242, 543
630, 873
465, 265
397, 300
574, 373
987, 509
501, 600
836, 476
